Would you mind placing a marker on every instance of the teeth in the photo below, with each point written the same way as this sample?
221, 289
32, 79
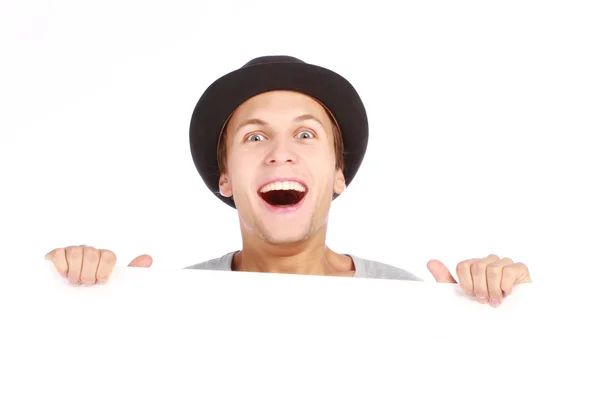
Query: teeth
285, 185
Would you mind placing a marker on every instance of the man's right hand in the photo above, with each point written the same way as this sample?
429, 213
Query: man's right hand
87, 265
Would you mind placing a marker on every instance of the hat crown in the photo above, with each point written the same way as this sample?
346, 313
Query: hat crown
273, 60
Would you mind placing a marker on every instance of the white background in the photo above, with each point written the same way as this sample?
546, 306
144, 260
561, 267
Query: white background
484, 122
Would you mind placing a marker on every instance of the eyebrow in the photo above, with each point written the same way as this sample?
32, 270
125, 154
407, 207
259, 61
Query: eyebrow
257, 121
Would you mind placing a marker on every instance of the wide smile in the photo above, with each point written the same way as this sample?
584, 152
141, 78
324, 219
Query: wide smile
283, 195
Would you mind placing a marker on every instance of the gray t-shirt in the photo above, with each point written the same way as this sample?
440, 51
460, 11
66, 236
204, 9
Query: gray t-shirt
364, 268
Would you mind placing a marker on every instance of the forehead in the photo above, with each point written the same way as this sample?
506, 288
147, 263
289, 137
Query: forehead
279, 104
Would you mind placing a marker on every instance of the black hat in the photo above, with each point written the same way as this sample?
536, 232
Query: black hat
264, 74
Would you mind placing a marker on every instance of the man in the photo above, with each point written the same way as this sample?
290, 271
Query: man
279, 140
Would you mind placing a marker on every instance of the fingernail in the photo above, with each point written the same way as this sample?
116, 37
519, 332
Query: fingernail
482, 300
470, 294
495, 302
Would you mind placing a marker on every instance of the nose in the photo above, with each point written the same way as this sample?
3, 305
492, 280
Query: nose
280, 152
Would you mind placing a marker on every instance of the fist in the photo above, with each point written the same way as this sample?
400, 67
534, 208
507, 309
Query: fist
87, 265
488, 279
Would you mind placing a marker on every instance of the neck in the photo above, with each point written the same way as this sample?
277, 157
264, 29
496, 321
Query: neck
310, 257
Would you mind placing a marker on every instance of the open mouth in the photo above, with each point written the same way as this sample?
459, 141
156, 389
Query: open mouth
283, 194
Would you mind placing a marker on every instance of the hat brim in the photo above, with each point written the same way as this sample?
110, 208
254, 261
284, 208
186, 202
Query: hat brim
227, 93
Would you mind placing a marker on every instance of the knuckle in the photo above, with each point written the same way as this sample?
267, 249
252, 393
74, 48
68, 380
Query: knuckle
108, 256
462, 267
74, 251
92, 253
520, 266
479, 268
494, 271
508, 272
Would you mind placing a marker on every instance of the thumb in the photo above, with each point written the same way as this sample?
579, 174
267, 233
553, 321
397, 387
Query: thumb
141, 261
440, 272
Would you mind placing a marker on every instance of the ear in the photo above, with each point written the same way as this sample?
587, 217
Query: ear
225, 186
339, 185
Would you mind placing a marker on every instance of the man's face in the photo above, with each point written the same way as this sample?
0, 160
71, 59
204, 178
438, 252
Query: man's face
281, 166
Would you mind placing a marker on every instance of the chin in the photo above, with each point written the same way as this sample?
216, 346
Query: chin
281, 235
282, 241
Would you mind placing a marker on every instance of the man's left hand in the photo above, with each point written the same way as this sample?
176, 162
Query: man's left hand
487, 279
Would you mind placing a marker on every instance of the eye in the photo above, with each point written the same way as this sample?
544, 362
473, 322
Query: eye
305, 135
255, 137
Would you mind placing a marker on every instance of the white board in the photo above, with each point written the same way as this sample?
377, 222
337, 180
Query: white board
189, 334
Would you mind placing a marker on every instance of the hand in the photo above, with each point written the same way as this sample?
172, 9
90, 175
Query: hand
87, 265
488, 279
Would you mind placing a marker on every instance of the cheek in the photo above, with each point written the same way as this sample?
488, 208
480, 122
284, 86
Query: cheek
242, 170
320, 159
